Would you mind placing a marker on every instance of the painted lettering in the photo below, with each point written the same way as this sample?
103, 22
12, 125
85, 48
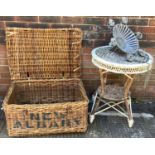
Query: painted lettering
63, 123
28, 125
59, 115
46, 116
53, 125
17, 125
34, 116
41, 124
45, 120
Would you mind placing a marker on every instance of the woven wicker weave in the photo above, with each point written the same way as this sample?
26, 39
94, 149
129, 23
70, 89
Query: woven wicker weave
42, 107
46, 95
43, 53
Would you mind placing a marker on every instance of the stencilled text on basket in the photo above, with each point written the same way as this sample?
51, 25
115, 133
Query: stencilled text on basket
45, 120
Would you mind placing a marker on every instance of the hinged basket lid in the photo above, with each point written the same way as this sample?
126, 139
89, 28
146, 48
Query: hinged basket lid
43, 53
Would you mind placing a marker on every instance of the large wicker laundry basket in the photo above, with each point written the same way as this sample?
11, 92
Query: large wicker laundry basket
46, 95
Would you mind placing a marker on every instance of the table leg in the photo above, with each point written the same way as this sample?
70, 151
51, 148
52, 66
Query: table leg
96, 102
128, 106
129, 111
103, 78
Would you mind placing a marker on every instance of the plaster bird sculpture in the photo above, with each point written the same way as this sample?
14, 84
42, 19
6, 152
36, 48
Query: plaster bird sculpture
127, 41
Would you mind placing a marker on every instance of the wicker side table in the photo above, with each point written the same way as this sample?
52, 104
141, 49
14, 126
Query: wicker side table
114, 96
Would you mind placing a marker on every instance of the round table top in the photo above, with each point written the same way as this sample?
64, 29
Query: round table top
111, 61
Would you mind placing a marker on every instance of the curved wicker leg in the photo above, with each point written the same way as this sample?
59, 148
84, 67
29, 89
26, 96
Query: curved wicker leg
94, 102
92, 115
91, 118
129, 112
130, 123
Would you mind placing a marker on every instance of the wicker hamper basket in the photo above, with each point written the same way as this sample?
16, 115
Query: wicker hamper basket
46, 95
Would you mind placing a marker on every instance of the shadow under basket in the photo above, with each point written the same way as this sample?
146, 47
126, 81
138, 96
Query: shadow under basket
38, 107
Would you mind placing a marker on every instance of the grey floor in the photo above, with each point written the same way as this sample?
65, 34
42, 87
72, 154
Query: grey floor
105, 127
